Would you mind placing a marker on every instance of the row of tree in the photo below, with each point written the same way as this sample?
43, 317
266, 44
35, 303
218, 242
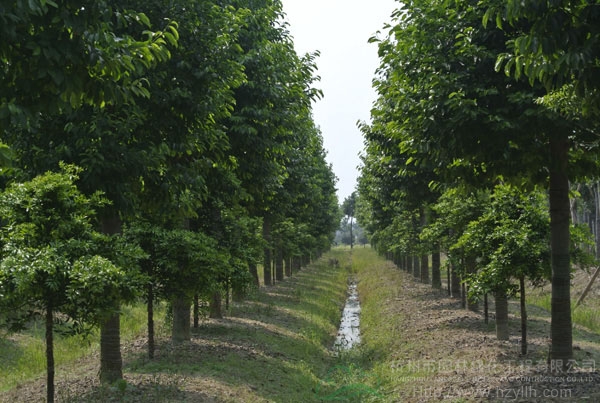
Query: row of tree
188, 155
487, 112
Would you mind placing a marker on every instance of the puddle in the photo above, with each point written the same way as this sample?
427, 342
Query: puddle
348, 335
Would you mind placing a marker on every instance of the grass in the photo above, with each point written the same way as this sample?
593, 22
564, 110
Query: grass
23, 355
275, 346
587, 316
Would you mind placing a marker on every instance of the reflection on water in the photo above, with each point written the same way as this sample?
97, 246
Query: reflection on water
349, 333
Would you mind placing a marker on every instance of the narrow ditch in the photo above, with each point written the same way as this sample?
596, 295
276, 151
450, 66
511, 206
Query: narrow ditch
348, 334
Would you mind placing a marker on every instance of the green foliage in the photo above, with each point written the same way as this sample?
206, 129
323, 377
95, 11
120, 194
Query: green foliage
509, 240
52, 257
55, 57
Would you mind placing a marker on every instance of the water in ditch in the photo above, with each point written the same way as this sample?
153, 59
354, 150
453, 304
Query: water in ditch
348, 334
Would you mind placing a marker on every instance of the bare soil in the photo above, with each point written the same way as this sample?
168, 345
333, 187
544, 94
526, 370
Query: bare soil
459, 359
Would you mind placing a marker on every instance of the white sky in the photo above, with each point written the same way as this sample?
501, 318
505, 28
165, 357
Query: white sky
340, 30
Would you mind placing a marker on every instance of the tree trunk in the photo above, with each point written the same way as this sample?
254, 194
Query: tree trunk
49, 354
351, 236
181, 319
523, 316
111, 362
436, 275
501, 300
596, 189
561, 349
216, 306
409, 263
463, 295
425, 269
196, 313
416, 268
288, 266
254, 273
448, 278
471, 268
150, 311
279, 265
486, 310
588, 287
267, 252
455, 282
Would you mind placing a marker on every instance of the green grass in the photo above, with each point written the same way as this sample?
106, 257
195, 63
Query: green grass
586, 316
23, 355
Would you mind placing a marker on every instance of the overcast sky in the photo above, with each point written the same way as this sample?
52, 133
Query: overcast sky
340, 30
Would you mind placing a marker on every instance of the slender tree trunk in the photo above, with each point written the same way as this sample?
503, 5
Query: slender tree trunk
455, 282
254, 273
596, 189
436, 275
181, 319
49, 354
288, 266
588, 287
501, 300
561, 349
425, 269
449, 278
416, 268
267, 252
216, 306
351, 236
424, 256
196, 313
463, 295
486, 309
471, 267
111, 361
523, 316
150, 318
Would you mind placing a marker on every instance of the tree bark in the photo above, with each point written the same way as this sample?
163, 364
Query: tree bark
416, 268
486, 310
196, 313
279, 265
267, 252
561, 349
501, 300
150, 309
523, 316
111, 362
254, 273
436, 275
216, 306
455, 282
49, 354
181, 319
425, 269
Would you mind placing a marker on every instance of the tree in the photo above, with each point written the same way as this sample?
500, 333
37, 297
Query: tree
56, 56
52, 258
438, 73
348, 208
556, 43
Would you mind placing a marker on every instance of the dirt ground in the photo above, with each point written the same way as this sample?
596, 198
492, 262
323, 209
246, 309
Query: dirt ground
452, 350
461, 360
